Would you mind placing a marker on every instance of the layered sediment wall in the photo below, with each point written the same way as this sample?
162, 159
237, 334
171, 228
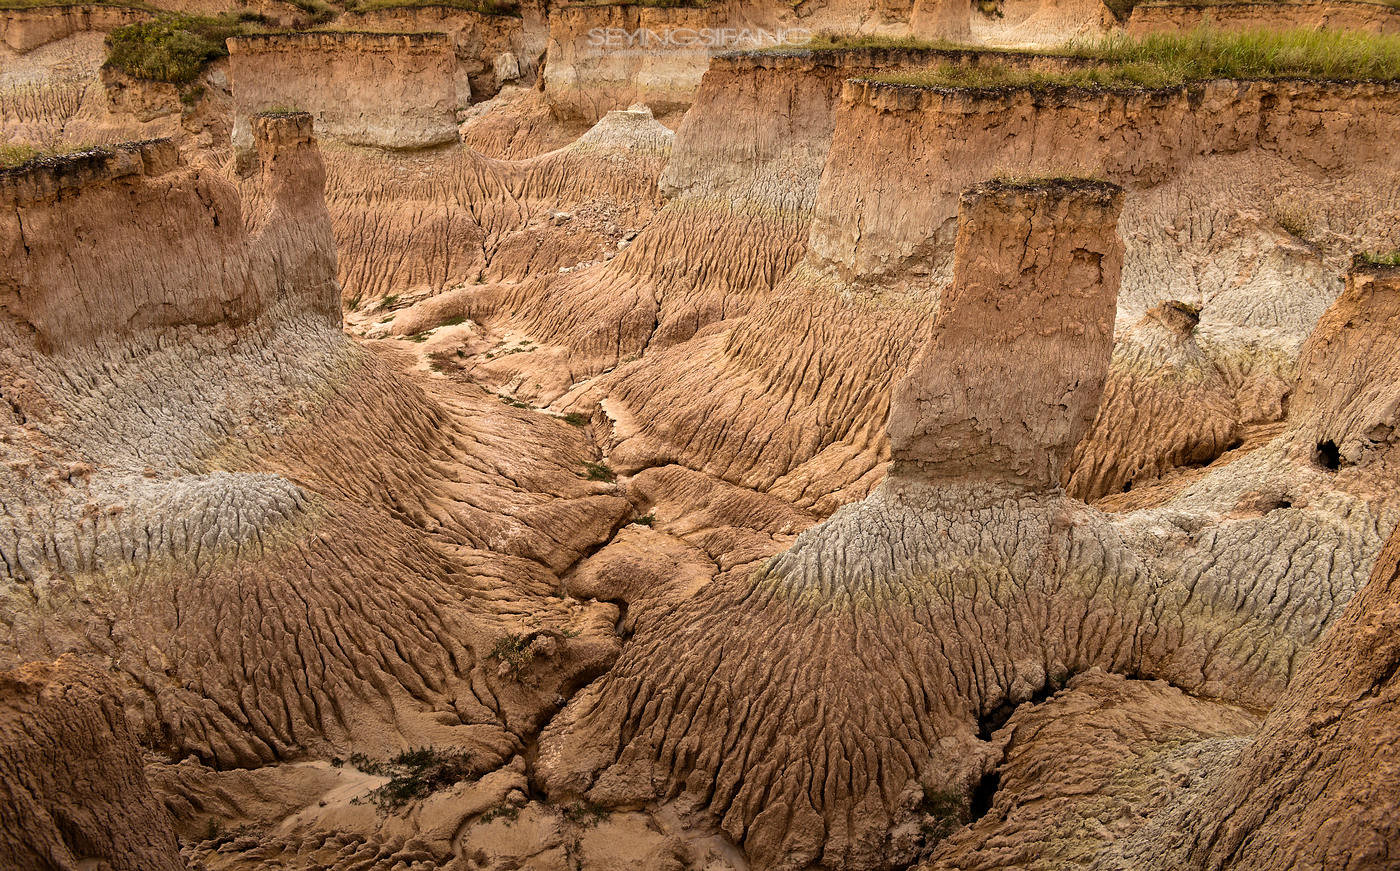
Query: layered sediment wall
379, 89
23, 30
1208, 223
603, 57
1016, 415
70, 280
492, 50
595, 64
1360, 15
1174, 150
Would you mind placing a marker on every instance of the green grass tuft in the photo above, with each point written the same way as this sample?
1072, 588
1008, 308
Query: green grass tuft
13, 154
515, 651
37, 4
16, 154
1371, 259
414, 774
599, 472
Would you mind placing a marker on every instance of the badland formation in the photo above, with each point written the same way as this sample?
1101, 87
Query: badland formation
576, 435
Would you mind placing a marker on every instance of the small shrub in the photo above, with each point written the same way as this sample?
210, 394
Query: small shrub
515, 651
454, 321
388, 302
573, 418
646, 519
508, 812
944, 811
319, 11
599, 472
414, 774
584, 813
1294, 221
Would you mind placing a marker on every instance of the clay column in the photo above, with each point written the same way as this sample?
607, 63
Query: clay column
1011, 379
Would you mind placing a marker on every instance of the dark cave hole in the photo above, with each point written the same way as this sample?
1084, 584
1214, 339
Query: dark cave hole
1328, 455
983, 794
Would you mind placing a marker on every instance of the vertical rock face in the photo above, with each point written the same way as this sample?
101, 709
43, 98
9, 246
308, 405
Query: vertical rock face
389, 90
73, 792
23, 30
106, 242
1347, 401
479, 40
1013, 375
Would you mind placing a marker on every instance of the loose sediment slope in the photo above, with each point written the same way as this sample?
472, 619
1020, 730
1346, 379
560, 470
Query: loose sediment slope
415, 226
382, 89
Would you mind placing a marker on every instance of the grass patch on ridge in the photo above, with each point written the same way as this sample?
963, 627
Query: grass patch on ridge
16, 154
1371, 259
59, 4
483, 7
1168, 60
176, 48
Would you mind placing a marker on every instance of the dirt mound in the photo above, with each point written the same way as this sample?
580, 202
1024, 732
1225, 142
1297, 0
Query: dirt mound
1320, 763
1166, 405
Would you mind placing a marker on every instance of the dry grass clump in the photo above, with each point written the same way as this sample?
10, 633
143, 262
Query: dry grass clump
16, 154
1168, 60
828, 40
654, 4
